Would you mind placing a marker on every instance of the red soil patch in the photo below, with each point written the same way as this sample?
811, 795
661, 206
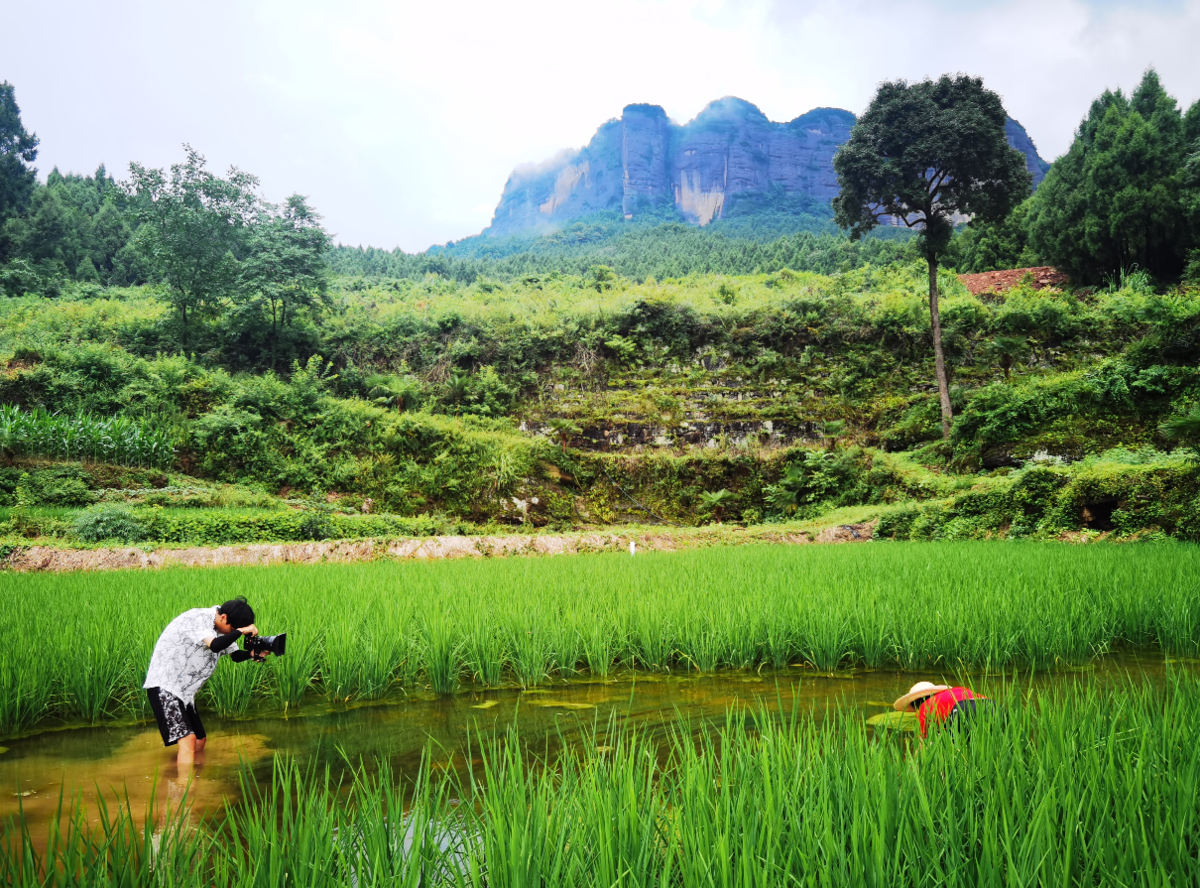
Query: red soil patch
1000, 281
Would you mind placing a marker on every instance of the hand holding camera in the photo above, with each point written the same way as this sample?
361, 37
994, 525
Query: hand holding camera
261, 645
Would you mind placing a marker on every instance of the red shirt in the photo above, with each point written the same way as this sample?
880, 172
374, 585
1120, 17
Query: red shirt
940, 704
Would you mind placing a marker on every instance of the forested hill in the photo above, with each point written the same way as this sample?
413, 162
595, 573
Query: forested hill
636, 250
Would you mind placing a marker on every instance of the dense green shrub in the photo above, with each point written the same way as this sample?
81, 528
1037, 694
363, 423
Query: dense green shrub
231, 526
108, 521
1122, 498
52, 486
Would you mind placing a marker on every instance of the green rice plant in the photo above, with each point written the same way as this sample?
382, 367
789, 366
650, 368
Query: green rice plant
745, 645
826, 640
567, 644
292, 675
529, 648
529, 835
597, 637
233, 686
440, 653
779, 638
342, 656
870, 630
367, 627
112, 844
93, 688
485, 655
649, 641
1079, 788
383, 648
700, 643
26, 690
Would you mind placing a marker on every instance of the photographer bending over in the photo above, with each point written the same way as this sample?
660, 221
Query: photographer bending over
185, 655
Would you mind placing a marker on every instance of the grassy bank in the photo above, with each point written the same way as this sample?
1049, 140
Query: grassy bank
1073, 791
76, 646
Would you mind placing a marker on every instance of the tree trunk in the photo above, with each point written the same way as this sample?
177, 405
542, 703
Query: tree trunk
274, 339
939, 358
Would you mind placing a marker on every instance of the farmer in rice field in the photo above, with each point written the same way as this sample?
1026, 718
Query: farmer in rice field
941, 705
184, 658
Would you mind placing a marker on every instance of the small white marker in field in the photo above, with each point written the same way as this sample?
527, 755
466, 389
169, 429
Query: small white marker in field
632, 548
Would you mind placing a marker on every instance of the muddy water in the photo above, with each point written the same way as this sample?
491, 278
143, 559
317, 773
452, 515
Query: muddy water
129, 759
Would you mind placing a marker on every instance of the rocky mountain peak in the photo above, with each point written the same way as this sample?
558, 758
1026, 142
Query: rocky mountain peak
730, 159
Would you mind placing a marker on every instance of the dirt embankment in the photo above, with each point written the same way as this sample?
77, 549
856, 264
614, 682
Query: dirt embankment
997, 282
47, 558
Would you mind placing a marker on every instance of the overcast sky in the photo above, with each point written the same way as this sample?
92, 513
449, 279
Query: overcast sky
402, 120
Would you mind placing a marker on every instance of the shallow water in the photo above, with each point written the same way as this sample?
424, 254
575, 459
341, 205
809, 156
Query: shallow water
129, 759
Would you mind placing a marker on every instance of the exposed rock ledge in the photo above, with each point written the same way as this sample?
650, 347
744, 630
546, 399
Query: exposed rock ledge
46, 558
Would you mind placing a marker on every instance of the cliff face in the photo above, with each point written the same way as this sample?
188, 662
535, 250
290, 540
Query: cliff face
1019, 139
730, 160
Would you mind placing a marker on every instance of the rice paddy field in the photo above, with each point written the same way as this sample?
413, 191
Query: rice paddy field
74, 648
1076, 782
1081, 789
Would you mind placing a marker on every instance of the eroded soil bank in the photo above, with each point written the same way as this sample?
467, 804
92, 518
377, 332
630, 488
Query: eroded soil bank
49, 558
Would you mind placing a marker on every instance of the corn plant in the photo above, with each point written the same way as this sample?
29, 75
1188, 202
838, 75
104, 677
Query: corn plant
116, 439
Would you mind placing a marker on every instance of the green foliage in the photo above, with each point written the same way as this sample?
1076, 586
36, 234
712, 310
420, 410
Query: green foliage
108, 521
286, 267
216, 527
1184, 429
116, 439
1123, 197
417, 401
18, 149
1105, 495
923, 152
637, 252
55, 486
820, 478
994, 246
715, 502
193, 224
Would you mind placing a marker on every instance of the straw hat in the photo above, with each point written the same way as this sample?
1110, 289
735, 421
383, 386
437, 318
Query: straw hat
920, 689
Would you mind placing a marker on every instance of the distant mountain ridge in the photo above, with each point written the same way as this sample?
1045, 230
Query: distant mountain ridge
729, 161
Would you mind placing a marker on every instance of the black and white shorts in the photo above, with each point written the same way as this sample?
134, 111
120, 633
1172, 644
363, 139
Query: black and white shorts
175, 718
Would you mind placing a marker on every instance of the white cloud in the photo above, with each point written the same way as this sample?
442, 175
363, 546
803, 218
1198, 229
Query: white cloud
402, 120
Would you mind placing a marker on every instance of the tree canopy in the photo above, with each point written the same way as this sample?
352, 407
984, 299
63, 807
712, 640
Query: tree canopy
193, 224
925, 154
18, 149
1126, 195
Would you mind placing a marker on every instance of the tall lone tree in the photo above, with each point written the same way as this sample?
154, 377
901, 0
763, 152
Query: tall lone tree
926, 155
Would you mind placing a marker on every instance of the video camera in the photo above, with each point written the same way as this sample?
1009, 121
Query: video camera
266, 644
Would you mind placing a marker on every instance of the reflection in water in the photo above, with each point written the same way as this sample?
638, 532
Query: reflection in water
90, 763
119, 760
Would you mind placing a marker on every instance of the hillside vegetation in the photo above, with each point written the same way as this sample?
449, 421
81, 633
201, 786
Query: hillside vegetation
759, 397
